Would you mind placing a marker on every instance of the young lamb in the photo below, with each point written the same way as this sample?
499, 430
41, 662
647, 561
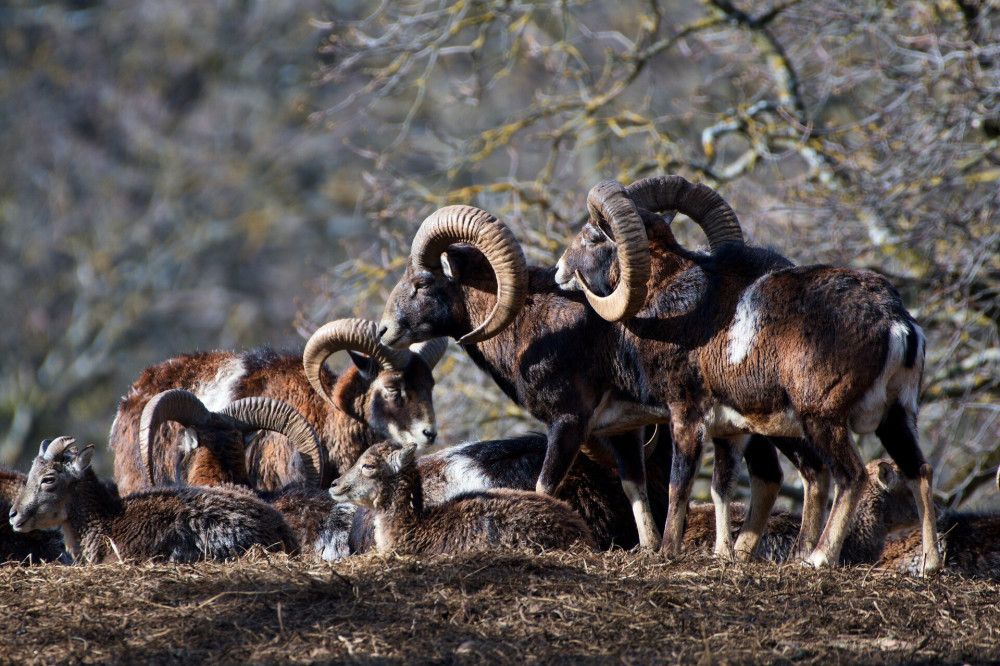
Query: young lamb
40, 546
386, 479
176, 524
885, 506
332, 530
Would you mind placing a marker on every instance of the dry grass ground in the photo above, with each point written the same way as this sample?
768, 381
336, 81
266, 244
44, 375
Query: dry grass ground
511, 608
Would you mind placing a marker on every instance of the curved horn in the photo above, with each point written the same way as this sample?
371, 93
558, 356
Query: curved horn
259, 413
467, 224
431, 350
355, 334
698, 201
608, 201
53, 449
173, 405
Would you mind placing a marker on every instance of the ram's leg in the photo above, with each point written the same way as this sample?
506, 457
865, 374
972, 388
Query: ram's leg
565, 437
688, 434
765, 482
815, 492
728, 453
833, 443
815, 495
898, 433
632, 471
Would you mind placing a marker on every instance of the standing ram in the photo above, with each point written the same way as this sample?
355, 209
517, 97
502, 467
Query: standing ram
813, 351
386, 393
467, 278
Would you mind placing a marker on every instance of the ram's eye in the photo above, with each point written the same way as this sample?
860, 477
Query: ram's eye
48, 481
392, 390
369, 469
422, 280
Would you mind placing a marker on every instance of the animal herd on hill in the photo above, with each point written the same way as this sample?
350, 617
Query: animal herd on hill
633, 351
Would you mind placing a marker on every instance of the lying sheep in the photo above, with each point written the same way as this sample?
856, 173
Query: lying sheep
213, 444
386, 479
969, 543
386, 393
40, 546
176, 524
332, 530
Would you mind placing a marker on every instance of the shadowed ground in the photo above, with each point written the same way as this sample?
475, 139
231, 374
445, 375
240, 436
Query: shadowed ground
511, 608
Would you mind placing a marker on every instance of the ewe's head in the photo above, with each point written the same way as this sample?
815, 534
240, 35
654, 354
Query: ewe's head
394, 387
56, 469
371, 480
428, 301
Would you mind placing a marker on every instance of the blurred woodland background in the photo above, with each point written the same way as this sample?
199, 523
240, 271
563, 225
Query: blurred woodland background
197, 175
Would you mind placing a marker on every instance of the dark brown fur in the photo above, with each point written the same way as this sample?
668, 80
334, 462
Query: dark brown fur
821, 338
593, 490
361, 419
557, 359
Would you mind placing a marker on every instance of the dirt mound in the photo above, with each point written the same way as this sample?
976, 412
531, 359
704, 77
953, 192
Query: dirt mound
510, 607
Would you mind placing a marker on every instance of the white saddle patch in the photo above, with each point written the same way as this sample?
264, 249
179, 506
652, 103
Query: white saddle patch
746, 323
219, 392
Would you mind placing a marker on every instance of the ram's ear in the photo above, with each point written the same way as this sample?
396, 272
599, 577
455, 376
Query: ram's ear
366, 365
449, 271
886, 475
82, 460
188, 440
402, 458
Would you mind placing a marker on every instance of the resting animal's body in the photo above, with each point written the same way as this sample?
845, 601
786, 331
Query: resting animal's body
175, 524
386, 479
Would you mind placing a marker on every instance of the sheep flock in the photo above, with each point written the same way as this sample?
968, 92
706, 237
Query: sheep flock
633, 352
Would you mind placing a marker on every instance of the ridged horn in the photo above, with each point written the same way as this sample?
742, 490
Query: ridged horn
259, 413
696, 200
467, 224
173, 405
53, 449
358, 335
608, 201
431, 350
